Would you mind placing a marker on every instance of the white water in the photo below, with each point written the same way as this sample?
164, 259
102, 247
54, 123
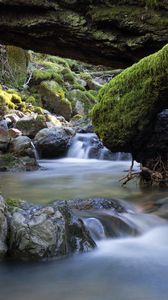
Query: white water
129, 267
89, 146
120, 269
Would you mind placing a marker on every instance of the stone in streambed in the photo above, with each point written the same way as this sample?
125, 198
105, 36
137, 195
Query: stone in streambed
53, 142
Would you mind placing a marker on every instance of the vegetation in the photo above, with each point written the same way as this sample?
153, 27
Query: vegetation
129, 102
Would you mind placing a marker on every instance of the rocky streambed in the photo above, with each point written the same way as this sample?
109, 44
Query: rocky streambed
39, 232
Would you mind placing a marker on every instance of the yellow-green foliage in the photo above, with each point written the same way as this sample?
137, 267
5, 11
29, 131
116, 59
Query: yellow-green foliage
130, 101
10, 99
13, 202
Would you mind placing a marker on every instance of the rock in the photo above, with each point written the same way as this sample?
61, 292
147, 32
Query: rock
4, 139
30, 125
52, 121
128, 105
3, 228
22, 146
53, 99
38, 233
10, 163
3, 124
113, 33
82, 101
14, 132
82, 124
53, 142
79, 108
12, 119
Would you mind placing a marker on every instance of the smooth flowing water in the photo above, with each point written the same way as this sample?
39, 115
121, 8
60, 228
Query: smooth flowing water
123, 268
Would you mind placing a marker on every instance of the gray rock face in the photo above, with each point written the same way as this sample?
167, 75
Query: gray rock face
36, 233
3, 228
101, 32
22, 146
53, 142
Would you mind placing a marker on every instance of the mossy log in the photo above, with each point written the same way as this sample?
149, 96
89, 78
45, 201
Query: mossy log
127, 115
116, 33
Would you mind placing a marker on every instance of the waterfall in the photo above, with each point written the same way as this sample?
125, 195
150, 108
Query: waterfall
88, 145
36, 155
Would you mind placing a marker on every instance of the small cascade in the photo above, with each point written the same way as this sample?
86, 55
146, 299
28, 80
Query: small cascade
88, 145
105, 224
36, 155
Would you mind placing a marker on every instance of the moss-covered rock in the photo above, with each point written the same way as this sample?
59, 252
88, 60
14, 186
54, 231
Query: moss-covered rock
53, 99
116, 32
11, 99
10, 162
129, 103
83, 100
30, 125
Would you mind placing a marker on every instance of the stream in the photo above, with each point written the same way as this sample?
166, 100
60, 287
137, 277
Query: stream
123, 268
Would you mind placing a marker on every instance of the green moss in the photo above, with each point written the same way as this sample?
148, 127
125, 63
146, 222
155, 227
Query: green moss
13, 202
85, 76
77, 86
130, 101
54, 99
68, 75
17, 60
58, 60
84, 97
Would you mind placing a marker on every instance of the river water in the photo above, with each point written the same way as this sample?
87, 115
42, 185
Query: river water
125, 268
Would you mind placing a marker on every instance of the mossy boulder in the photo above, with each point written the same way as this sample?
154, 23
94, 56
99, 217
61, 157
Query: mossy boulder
82, 101
129, 103
53, 99
10, 99
11, 163
30, 125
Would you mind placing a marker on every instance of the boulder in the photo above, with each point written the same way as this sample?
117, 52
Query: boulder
30, 125
128, 105
53, 99
9, 162
38, 233
53, 142
14, 132
22, 146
